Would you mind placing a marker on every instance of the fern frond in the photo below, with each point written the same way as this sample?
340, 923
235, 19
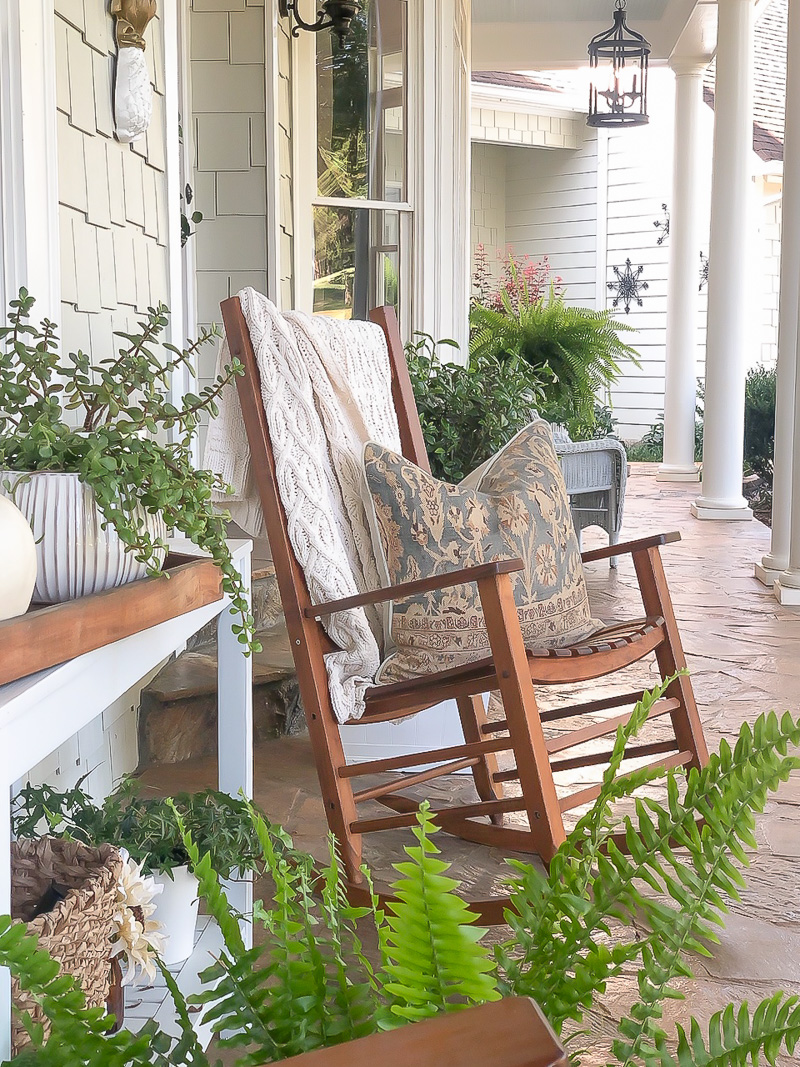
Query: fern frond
435, 962
735, 1037
79, 1035
210, 888
187, 1050
309, 985
563, 927
354, 1000
555, 955
699, 887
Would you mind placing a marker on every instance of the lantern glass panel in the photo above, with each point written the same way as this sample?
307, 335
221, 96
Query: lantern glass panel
618, 87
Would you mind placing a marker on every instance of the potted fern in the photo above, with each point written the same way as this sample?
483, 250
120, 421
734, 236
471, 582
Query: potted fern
598, 915
97, 455
576, 352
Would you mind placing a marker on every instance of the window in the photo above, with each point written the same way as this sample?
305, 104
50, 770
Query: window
361, 211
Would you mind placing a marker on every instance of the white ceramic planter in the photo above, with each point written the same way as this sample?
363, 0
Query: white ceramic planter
176, 907
75, 555
18, 556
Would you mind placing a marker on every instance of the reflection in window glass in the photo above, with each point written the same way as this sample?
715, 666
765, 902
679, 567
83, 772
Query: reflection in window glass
356, 260
361, 106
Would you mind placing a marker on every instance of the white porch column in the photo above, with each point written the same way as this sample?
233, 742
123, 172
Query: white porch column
729, 297
683, 296
439, 162
29, 243
777, 559
786, 491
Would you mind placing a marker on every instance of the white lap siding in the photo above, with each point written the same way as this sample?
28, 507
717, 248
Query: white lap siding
551, 210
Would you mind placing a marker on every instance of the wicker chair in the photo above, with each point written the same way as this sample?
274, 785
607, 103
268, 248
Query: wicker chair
595, 473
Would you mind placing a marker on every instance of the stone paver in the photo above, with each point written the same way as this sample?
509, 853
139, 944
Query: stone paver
743, 650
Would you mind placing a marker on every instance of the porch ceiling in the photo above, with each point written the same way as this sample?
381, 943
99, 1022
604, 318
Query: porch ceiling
535, 35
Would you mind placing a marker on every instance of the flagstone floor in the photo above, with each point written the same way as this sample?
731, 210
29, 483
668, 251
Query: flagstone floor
743, 651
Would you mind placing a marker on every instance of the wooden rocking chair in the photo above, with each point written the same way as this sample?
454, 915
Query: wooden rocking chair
511, 669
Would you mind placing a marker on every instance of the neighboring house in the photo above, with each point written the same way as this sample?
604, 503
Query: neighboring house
546, 184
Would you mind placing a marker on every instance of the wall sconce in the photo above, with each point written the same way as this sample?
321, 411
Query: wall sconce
618, 90
333, 14
133, 93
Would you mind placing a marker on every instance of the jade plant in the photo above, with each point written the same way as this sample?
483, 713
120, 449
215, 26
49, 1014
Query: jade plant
599, 912
144, 825
114, 422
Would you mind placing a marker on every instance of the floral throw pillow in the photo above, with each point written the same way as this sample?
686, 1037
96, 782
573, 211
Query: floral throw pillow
518, 507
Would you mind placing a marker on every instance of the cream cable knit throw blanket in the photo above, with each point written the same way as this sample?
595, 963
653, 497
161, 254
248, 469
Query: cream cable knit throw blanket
326, 387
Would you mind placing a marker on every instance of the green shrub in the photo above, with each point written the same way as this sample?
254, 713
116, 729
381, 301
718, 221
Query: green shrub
602, 423
468, 413
759, 427
650, 448
598, 913
759, 421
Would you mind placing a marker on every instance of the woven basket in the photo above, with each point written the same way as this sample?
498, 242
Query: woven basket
77, 932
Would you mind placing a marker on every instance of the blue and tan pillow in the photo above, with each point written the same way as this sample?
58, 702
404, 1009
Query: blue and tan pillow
518, 507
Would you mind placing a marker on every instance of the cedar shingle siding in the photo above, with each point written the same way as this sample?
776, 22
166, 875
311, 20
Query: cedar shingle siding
112, 197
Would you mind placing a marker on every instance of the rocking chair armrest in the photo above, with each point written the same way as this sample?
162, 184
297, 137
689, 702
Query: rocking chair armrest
631, 547
421, 585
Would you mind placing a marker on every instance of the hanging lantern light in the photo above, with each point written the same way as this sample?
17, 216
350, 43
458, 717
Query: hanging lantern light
335, 15
618, 82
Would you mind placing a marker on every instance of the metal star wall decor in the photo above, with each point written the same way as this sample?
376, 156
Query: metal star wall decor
628, 286
663, 224
703, 271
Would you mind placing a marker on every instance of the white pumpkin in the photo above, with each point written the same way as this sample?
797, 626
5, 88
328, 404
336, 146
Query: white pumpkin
17, 561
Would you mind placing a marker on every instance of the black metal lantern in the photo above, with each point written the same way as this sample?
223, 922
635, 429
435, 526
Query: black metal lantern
618, 83
335, 15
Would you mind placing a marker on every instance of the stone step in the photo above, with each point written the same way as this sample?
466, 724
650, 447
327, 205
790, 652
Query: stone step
178, 710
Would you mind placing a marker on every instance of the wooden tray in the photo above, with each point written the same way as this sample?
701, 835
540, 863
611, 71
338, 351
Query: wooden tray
47, 636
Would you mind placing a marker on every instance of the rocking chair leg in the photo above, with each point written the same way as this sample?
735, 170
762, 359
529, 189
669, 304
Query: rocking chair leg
473, 715
337, 792
670, 656
524, 724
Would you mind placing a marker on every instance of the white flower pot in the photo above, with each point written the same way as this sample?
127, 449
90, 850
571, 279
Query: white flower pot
18, 555
176, 908
75, 555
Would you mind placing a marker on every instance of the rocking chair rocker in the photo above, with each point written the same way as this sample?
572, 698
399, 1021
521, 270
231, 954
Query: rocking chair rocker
511, 669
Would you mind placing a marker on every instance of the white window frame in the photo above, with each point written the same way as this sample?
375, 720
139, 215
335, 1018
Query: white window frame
304, 168
29, 155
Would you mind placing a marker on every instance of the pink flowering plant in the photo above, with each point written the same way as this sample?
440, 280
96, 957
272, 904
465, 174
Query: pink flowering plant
514, 280
520, 314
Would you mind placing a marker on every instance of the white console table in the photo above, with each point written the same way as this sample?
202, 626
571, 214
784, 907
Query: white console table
40, 712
